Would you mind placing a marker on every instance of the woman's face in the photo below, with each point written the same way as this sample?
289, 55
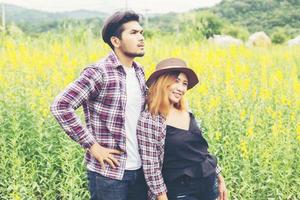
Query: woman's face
178, 89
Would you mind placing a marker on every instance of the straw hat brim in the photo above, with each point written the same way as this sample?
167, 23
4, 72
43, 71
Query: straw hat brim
192, 77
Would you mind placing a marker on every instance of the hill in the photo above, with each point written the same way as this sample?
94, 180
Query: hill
240, 17
31, 20
257, 15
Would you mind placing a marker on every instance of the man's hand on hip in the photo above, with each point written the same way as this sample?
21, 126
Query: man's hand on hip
103, 154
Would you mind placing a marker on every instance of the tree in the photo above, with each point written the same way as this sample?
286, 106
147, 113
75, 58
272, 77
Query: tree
236, 31
208, 24
279, 36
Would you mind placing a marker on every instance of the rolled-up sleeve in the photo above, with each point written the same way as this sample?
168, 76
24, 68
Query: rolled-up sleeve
218, 169
149, 135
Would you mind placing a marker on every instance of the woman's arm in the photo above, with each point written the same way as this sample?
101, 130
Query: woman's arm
162, 197
222, 188
149, 134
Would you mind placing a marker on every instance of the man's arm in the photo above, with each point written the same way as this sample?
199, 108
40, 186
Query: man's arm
63, 109
64, 106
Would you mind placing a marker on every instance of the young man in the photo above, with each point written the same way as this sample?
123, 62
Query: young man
111, 92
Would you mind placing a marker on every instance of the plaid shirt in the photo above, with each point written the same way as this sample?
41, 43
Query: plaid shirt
101, 90
151, 134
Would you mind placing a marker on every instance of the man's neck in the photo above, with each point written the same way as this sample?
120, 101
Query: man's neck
124, 60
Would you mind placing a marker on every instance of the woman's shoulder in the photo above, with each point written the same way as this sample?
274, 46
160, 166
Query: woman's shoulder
147, 116
146, 113
195, 122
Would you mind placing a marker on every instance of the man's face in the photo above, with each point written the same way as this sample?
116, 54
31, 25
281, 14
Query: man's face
132, 40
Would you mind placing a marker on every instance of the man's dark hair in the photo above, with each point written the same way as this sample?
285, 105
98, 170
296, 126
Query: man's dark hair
113, 26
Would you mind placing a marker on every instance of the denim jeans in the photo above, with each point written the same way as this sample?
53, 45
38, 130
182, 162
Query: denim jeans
186, 188
131, 187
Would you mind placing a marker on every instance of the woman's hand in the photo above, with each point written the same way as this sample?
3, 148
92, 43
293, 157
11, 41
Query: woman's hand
162, 197
222, 188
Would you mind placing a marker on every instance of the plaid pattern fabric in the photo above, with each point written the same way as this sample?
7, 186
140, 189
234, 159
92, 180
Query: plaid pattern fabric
101, 90
151, 134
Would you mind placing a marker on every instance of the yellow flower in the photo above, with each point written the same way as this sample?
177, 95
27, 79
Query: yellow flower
265, 94
230, 92
298, 132
45, 112
214, 103
203, 90
244, 150
276, 129
250, 131
16, 196
279, 75
243, 114
285, 101
218, 135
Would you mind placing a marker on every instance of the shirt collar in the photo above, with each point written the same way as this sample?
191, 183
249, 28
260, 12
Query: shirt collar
116, 63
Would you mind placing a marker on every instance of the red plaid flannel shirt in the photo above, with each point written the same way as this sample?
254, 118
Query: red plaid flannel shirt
101, 90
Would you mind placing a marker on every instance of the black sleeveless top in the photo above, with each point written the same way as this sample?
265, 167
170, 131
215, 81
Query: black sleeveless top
186, 153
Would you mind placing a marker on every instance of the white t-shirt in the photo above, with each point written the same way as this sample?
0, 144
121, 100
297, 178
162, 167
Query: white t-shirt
132, 113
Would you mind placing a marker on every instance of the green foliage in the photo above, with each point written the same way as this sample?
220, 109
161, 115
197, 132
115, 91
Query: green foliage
247, 101
236, 31
33, 21
237, 18
262, 15
14, 30
279, 36
198, 26
243, 16
20, 15
208, 24
148, 34
165, 23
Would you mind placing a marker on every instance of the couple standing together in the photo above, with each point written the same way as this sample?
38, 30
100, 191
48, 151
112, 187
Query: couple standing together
140, 143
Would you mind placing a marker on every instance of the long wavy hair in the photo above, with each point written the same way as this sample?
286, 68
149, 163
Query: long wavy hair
158, 100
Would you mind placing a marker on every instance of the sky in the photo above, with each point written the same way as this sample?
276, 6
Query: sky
109, 6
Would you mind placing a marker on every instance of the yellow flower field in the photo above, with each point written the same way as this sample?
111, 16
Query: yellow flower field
248, 104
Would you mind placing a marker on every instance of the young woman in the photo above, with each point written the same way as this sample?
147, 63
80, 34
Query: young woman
176, 162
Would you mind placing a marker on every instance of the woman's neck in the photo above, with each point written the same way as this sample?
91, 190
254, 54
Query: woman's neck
178, 118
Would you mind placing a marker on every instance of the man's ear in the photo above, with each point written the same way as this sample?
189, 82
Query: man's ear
116, 42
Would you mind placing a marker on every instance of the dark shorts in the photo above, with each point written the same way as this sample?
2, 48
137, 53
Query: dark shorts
131, 187
186, 188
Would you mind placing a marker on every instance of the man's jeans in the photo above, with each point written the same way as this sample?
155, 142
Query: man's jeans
131, 187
